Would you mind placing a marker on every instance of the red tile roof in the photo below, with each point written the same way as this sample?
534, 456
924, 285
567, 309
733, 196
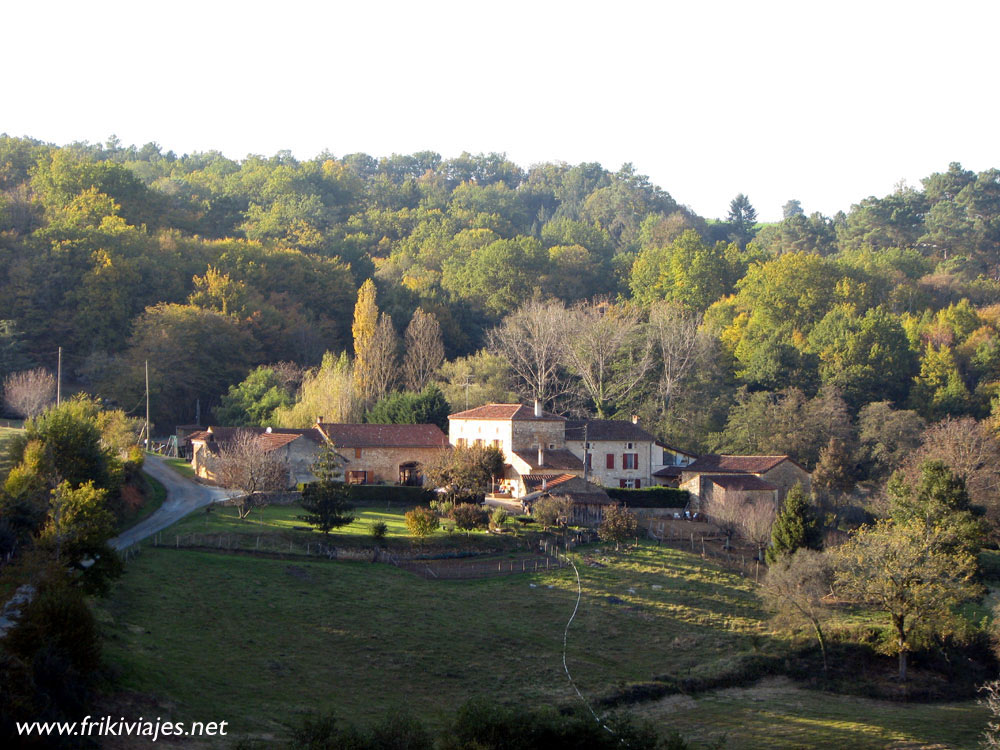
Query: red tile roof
385, 435
741, 482
272, 437
506, 412
735, 464
536, 480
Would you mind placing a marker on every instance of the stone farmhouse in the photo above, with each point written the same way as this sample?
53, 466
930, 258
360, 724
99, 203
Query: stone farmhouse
543, 451
384, 453
749, 477
298, 448
370, 453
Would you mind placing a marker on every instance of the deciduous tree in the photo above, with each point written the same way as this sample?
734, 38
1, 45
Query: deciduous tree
424, 349
29, 392
619, 525
794, 590
246, 463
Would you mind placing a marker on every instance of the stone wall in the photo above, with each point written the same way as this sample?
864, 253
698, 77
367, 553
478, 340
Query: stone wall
526, 433
382, 464
785, 476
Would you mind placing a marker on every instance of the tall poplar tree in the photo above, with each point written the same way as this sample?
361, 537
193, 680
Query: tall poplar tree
363, 329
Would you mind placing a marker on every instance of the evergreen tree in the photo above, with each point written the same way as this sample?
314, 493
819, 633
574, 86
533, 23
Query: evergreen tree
327, 502
796, 527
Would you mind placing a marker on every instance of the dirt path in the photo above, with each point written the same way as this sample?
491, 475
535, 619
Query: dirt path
183, 496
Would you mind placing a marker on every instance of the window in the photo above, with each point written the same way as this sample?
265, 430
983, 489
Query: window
357, 477
590, 462
610, 461
628, 484
498, 443
629, 446
479, 442
357, 453
552, 446
630, 461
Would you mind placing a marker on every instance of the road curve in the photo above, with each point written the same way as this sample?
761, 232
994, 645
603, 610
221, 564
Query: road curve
183, 496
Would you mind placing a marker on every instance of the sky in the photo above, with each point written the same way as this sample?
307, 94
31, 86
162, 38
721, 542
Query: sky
823, 102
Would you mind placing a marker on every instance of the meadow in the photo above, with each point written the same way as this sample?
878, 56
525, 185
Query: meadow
261, 642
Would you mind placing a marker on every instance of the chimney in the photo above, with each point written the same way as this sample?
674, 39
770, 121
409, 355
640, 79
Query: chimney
545, 484
319, 420
538, 408
635, 419
541, 453
268, 430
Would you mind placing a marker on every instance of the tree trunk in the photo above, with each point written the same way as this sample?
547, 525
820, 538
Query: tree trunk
899, 622
822, 643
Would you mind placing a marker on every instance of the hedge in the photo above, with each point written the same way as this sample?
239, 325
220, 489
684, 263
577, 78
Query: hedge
650, 497
373, 494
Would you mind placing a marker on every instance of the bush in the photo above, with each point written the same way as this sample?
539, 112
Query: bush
373, 494
498, 519
650, 497
378, 530
421, 522
468, 516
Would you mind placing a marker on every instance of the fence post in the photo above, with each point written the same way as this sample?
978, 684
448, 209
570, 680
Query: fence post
702, 545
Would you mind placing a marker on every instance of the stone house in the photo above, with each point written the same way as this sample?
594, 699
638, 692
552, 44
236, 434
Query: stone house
732, 489
298, 448
779, 472
617, 453
668, 464
384, 453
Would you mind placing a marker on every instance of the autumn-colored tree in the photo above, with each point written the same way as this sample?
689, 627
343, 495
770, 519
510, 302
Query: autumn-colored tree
618, 525
363, 330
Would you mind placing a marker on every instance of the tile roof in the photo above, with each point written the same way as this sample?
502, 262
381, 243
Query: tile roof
385, 435
554, 459
536, 480
735, 464
741, 482
607, 429
506, 412
273, 437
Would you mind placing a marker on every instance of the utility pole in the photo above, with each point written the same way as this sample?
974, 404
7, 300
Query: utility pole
147, 404
468, 382
59, 379
586, 453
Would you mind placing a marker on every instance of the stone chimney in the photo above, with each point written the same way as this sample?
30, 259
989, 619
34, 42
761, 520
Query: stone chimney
541, 453
635, 419
319, 420
538, 408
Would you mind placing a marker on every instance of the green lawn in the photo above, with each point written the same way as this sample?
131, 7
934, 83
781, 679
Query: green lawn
257, 642
181, 465
282, 523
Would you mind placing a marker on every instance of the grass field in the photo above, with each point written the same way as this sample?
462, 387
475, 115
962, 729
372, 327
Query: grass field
181, 465
282, 521
258, 642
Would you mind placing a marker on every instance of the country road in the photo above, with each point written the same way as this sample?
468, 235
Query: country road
183, 496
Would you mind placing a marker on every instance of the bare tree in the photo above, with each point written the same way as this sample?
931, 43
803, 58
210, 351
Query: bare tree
532, 341
607, 349
725, 510
383, 369
991, 702
424, 349
29, 392
674, 332
972, 453
756, 519
247, 462
794, 590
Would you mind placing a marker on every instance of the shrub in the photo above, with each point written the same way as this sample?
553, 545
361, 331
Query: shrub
498, 519
468, 516
378, 530
421, 522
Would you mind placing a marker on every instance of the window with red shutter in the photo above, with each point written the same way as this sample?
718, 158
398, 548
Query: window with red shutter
621, 483
611, 461
638, 484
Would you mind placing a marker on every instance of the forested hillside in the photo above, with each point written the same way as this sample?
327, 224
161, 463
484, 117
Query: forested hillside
720, 334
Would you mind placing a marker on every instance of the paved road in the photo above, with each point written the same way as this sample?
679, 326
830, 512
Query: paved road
183, 496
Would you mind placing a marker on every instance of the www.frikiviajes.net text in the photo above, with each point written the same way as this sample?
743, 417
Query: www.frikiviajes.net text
109, 727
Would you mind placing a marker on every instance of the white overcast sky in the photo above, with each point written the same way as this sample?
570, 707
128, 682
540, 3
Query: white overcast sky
824, 102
